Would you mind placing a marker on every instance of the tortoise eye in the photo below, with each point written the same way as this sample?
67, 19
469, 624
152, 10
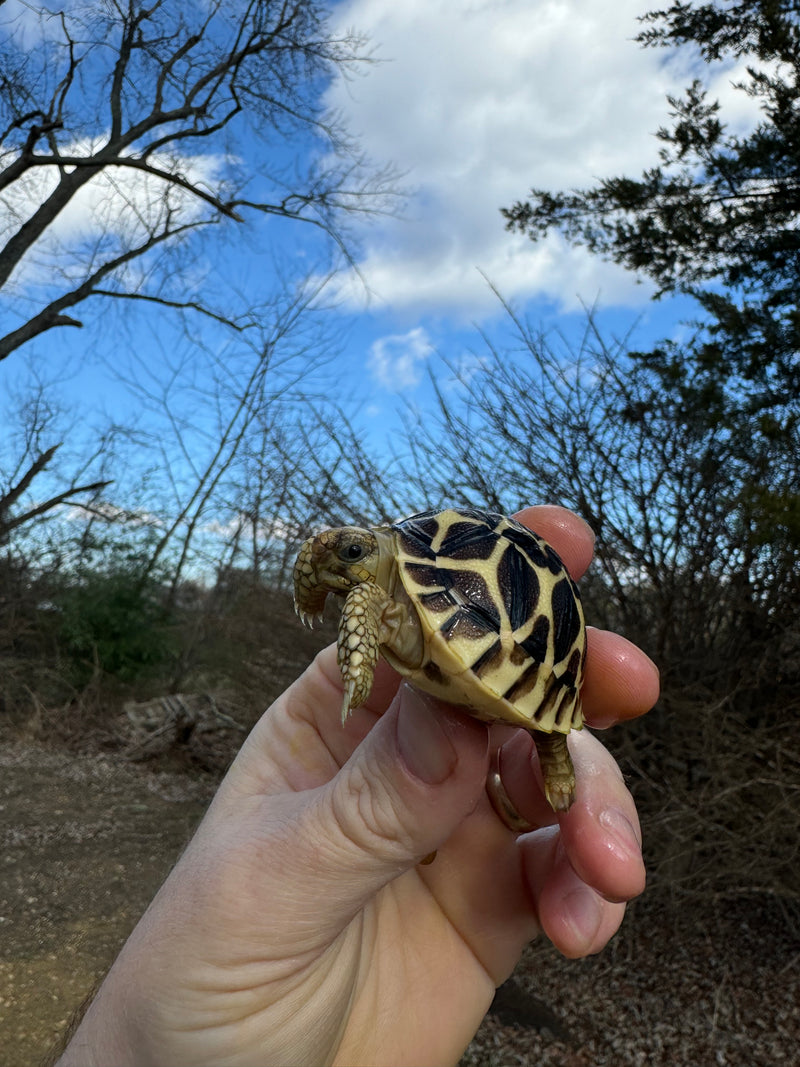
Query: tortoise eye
352, 552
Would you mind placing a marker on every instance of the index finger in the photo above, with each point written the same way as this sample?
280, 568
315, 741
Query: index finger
569, 535
621, 681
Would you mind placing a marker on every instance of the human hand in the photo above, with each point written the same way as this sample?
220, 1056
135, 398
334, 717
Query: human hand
299, 926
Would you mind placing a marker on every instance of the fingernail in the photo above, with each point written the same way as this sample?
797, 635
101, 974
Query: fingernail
423, 741
621, 830
583, 914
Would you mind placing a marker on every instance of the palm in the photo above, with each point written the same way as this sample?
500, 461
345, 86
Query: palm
402, 947
448, 917
300, 925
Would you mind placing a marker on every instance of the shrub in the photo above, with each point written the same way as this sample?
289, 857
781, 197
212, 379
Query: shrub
115, 622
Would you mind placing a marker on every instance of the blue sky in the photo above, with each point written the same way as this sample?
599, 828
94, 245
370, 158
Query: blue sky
473, 102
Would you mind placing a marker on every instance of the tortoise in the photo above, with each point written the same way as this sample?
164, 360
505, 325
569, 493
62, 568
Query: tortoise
470, 606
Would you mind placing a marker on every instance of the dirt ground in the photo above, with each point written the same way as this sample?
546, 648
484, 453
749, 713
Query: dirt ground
87, 839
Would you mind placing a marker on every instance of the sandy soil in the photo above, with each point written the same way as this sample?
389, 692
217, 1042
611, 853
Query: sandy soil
88, 839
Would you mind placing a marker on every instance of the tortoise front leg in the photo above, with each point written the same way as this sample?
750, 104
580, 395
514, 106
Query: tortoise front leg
369, 619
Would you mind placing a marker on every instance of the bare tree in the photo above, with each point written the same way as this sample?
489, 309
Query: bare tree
159, 121
310, 467
211, 416
681, 569
26, 459
133, 138
13, 494
588, 427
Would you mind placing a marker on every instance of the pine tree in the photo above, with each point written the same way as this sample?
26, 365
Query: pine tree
718, 218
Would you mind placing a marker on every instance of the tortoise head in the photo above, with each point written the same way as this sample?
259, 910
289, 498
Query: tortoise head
333, 562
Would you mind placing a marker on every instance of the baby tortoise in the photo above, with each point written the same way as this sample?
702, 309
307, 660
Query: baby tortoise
470, 606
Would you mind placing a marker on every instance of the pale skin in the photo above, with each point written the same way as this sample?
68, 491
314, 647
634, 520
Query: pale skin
299, 926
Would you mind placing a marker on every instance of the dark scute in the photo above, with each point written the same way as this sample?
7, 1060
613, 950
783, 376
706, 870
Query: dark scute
565, 617
436, 602
417, 532
517, 656
424, 574
434, 672
552, 698
483, 661
535, 644
554, 561
465, 540
523, 684
575, 661
465, 623
519, 586
525, 540
488, 518
566, 709
471, 587
443, 579
569, 678
538, 552
426, 524
415, 546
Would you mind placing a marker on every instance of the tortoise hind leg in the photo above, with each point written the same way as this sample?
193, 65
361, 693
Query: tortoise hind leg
557, 770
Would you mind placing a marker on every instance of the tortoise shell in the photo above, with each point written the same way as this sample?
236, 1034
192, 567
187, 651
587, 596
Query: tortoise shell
501, 618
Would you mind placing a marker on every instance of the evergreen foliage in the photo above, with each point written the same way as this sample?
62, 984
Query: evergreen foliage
114, 620
719, 219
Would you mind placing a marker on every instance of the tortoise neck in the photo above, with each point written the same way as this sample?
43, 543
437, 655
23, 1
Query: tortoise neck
387, 563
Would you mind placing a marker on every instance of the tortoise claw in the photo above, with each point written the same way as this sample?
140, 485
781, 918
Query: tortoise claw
307, 619
347, 700
560, 796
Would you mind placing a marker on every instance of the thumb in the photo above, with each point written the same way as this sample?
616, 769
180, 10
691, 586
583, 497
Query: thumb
412, 780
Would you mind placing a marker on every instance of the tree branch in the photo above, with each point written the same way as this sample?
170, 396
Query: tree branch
180, 305
136, 163
7, 525
51, 315
15, 492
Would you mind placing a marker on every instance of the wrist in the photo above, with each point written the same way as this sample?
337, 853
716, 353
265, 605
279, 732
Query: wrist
100, 1032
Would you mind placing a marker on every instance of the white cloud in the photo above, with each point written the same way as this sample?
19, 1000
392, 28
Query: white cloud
114, 211
463, 369
477, 103
396, 361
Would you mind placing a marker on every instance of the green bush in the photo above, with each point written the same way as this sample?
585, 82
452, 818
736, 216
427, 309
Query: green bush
114, 622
